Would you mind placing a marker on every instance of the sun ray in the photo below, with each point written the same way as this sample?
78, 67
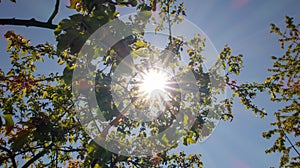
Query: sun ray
152, 81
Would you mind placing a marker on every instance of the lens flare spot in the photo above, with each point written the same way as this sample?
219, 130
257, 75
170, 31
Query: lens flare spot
153, 80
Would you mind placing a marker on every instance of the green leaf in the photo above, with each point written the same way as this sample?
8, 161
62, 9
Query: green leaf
9, 123
134, 3
165, 139
20, 139
67, 75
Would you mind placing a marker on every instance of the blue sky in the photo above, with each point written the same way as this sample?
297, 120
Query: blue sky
244, 25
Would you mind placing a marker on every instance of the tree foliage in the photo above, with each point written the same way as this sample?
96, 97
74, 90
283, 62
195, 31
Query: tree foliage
40, 126
39, 123
282, 87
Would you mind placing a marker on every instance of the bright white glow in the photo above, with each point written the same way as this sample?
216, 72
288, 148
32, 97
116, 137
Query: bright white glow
153, 80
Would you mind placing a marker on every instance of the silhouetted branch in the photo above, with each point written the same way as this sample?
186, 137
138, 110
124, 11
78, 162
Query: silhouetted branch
119, 3
71, 149
31, 22
54, 12
11, 156
291, 144
37, 156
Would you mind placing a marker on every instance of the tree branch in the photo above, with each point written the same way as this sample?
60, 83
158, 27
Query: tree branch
11, 156
71, 150
119, 3
36, 157
291, 144
31, 22
54, 12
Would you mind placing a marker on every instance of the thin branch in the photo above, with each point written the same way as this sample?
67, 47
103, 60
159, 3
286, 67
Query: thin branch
37, 156
27, 23
28, 150
54, 12
119, 3
71, 149
56, 157
11, 156
291, 144
169, 23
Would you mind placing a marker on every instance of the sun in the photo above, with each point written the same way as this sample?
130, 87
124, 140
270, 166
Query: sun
152, 81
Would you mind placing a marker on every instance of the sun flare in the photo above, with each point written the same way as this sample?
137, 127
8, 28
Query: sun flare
153, 80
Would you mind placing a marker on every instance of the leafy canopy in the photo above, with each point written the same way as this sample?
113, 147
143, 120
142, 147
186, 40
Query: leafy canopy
39, 123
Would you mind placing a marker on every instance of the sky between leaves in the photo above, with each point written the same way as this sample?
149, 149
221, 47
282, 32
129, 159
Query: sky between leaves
243, 24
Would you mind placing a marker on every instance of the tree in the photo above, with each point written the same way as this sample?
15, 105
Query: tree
283, 87
42, 126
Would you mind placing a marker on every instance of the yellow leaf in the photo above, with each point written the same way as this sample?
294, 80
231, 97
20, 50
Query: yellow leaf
165, 139
45, 94
24, 90
190, 141
73, 4
97, 166
190, 52
185, 120
225, 118
140, 44
61, 62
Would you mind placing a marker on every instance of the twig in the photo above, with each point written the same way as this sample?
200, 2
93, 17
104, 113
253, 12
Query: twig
291, 144
54, 12
169, 24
